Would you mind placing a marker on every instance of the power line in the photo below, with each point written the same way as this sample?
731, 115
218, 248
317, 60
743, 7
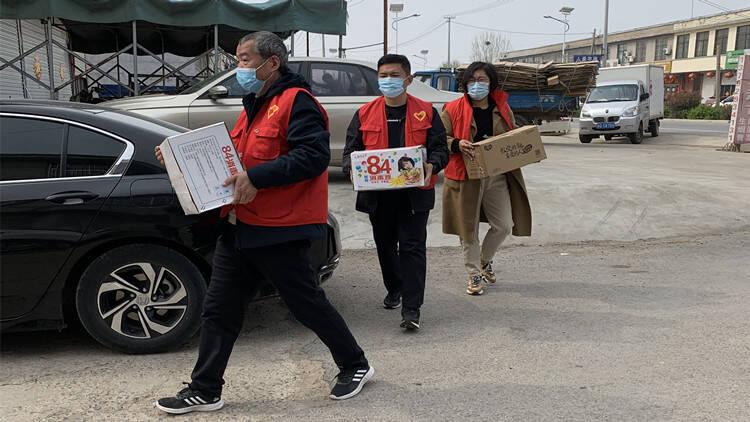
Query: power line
410, 41
516, 32
484, 8
722, 8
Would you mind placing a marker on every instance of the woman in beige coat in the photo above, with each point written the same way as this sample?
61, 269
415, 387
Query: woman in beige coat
500, 200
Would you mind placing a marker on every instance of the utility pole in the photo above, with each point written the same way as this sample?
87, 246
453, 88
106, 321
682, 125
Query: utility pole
593, 42
385, 27
606, 31
717, 89
449, 18
308, 44
323, 40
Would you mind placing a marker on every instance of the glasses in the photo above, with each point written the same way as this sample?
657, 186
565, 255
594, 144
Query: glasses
481, 79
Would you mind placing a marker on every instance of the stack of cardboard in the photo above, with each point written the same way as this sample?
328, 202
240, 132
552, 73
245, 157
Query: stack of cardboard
570, 78
739, 126
574, 78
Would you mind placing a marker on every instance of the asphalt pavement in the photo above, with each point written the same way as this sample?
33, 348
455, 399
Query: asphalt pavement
593, 331
671, 185
628, 303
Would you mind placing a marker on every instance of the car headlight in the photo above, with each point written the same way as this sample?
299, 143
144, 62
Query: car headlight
585, 115
630, 111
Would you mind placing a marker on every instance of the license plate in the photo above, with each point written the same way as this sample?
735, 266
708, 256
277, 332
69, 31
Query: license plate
601, 126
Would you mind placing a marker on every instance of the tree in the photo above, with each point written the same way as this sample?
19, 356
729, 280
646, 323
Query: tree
453, 64
489, 47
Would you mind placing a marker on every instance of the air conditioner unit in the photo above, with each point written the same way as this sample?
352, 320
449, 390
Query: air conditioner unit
667, 51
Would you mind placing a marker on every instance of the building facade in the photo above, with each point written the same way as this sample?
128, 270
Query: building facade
686, 49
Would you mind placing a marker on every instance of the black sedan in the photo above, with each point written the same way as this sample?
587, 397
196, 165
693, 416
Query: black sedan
90, 227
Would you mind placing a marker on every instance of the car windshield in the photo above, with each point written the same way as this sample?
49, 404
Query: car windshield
610, 93
206, 82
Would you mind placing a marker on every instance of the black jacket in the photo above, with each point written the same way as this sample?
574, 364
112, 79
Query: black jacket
437, 154
309, 155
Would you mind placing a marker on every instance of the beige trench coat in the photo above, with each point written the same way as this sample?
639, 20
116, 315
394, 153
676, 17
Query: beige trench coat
461, 198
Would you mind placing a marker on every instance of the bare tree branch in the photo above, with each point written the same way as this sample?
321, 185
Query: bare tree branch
489, 47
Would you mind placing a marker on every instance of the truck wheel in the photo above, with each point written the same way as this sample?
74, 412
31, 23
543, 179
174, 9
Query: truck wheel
585, 139
653, 128
607, 137
637, 138
141, 298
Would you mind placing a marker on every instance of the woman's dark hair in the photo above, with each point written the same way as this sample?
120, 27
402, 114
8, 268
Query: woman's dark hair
487, 68
404, 160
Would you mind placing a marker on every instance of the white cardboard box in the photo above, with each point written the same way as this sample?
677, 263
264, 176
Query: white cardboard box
198, 162
388, 169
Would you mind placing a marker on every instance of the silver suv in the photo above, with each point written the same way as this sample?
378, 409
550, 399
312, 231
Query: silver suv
342, 86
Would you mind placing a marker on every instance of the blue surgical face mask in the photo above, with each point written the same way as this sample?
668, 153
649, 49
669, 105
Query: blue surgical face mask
248, 79
391, 87
479, 90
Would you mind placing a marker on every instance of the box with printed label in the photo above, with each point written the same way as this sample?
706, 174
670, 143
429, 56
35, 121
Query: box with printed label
387, 169
198, 162
503, 153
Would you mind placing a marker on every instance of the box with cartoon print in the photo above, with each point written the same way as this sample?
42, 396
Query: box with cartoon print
387, 169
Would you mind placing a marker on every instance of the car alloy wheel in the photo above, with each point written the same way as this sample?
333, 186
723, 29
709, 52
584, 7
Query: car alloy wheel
141, 298
141, 301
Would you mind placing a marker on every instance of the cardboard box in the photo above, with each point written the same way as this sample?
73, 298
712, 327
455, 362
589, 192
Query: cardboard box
198, 162
503, 153
387, 169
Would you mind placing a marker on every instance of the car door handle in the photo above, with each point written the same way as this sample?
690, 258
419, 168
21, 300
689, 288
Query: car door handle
72, 198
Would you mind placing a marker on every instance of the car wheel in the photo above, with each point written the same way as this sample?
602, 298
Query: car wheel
607, 137
141, 298
585, 139
637, 138
654, 129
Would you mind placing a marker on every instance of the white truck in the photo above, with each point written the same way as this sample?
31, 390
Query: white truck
627, 101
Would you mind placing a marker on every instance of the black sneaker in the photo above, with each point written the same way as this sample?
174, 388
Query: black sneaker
189, 400
350, 382
410, 319
392, 301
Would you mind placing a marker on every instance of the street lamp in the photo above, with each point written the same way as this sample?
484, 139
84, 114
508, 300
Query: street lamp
394, 25
423, 56
565, 11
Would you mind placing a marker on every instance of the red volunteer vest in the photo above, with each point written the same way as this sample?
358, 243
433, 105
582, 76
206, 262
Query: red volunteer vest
264, 140
374, 126
462, 114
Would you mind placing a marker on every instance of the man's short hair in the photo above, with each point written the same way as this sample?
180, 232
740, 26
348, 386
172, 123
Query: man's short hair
396, 59
268, 44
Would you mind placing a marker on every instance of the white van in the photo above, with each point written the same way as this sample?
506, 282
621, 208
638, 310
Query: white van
627, 101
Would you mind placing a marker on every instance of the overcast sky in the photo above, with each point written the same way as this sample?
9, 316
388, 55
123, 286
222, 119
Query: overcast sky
518, 17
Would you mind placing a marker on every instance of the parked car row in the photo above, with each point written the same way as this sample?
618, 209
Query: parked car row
341, 85
90, 227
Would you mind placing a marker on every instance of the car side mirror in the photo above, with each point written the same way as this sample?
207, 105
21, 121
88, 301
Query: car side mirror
645, 96
217, 92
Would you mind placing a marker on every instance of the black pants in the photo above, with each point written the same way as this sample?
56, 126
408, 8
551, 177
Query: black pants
401, 237
235, 281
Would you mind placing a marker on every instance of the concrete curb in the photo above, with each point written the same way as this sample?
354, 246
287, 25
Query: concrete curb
695, 120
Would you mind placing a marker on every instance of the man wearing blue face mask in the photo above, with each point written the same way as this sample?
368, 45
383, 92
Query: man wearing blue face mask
399, 218
280, 204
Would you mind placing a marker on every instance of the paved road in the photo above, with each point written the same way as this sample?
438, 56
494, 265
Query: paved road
695, 127
638, 331
672, 185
